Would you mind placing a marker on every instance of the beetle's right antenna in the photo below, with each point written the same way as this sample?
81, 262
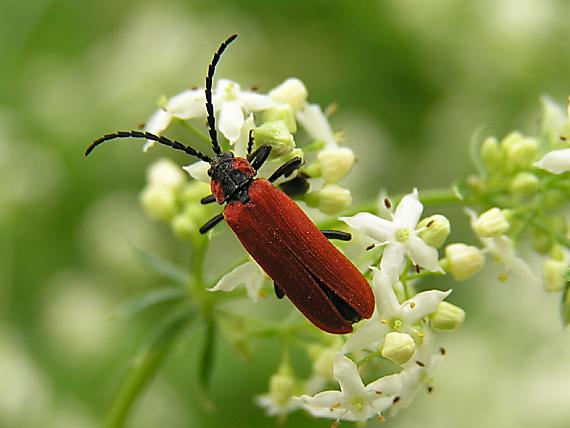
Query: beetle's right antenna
209, 105
149, 136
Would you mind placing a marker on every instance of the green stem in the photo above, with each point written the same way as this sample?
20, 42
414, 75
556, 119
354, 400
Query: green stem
145, 366
195, 131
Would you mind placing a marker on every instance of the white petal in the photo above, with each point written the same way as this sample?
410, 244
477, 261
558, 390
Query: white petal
409, 211
227, 89
370, 335
316, 124
422, 304
386, 300
188, 104
393, 259
247, 274
251, 101
388, 385
556, 161
292, 91
423, 255
377, 228
157, 123
321, 405
198, 171
382, 209
348, 377
240, 145
231, 120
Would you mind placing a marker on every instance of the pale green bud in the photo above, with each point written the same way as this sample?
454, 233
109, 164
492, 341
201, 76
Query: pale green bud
491, 223
463, 261
541, 242
193, 192
447, 317
490, 152
282, 386
436, 229
166, 173
159, 202
335, 163
184, 227
520, 150
554, 275
398, 347
282, 112
277, 135
330, 199
324, 362
524, 183
292, 91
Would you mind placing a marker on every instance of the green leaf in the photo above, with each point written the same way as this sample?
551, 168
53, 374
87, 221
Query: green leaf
140, 303
163, 267
207, 357
145, 366
565, 305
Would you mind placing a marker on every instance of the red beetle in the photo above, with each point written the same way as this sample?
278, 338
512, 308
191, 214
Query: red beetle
320, 281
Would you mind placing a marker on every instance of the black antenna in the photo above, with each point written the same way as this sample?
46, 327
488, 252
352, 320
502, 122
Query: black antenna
149, 136
209, 105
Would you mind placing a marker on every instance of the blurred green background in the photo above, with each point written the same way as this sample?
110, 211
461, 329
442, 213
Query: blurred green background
413, 79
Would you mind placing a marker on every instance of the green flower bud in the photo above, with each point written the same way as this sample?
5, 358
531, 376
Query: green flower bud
292, 91
398, 347
277, 135
463, 261
324, 362
335, 163
553, 199
541, 242
524, 183
436, 229
447, 317
159, 202
167, 174
491, 223
193, 192
330, 199
554, 275
282, 112
282, 386
490, 153
184, 227
520, 151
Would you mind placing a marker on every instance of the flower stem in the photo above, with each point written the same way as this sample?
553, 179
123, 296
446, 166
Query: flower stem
195, 131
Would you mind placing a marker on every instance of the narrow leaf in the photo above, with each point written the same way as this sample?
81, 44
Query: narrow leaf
140, 303
162, 267
145, 366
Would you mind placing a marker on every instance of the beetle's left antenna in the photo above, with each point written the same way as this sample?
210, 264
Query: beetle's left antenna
209, 105
149, 136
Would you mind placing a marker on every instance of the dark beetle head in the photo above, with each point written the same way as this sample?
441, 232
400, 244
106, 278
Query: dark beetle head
229, 176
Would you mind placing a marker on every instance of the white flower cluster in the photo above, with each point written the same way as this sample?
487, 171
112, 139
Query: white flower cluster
272, 118
401, 329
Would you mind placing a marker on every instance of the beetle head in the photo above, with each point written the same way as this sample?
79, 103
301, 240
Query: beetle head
229, 175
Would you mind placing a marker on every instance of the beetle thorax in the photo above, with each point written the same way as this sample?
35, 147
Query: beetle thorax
231, 178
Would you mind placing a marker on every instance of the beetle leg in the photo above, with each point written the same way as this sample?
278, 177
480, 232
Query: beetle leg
259, 157
208, 199
286, 169
278, 291
211, 223
337, 234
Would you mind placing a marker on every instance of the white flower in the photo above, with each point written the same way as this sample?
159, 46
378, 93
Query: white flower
165, 173
502, 248
291, 92
316, 124
399, 235
248, 275
354, 402
419, 371
282, 387
556, 161
391, 315
232, 102
189, 104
